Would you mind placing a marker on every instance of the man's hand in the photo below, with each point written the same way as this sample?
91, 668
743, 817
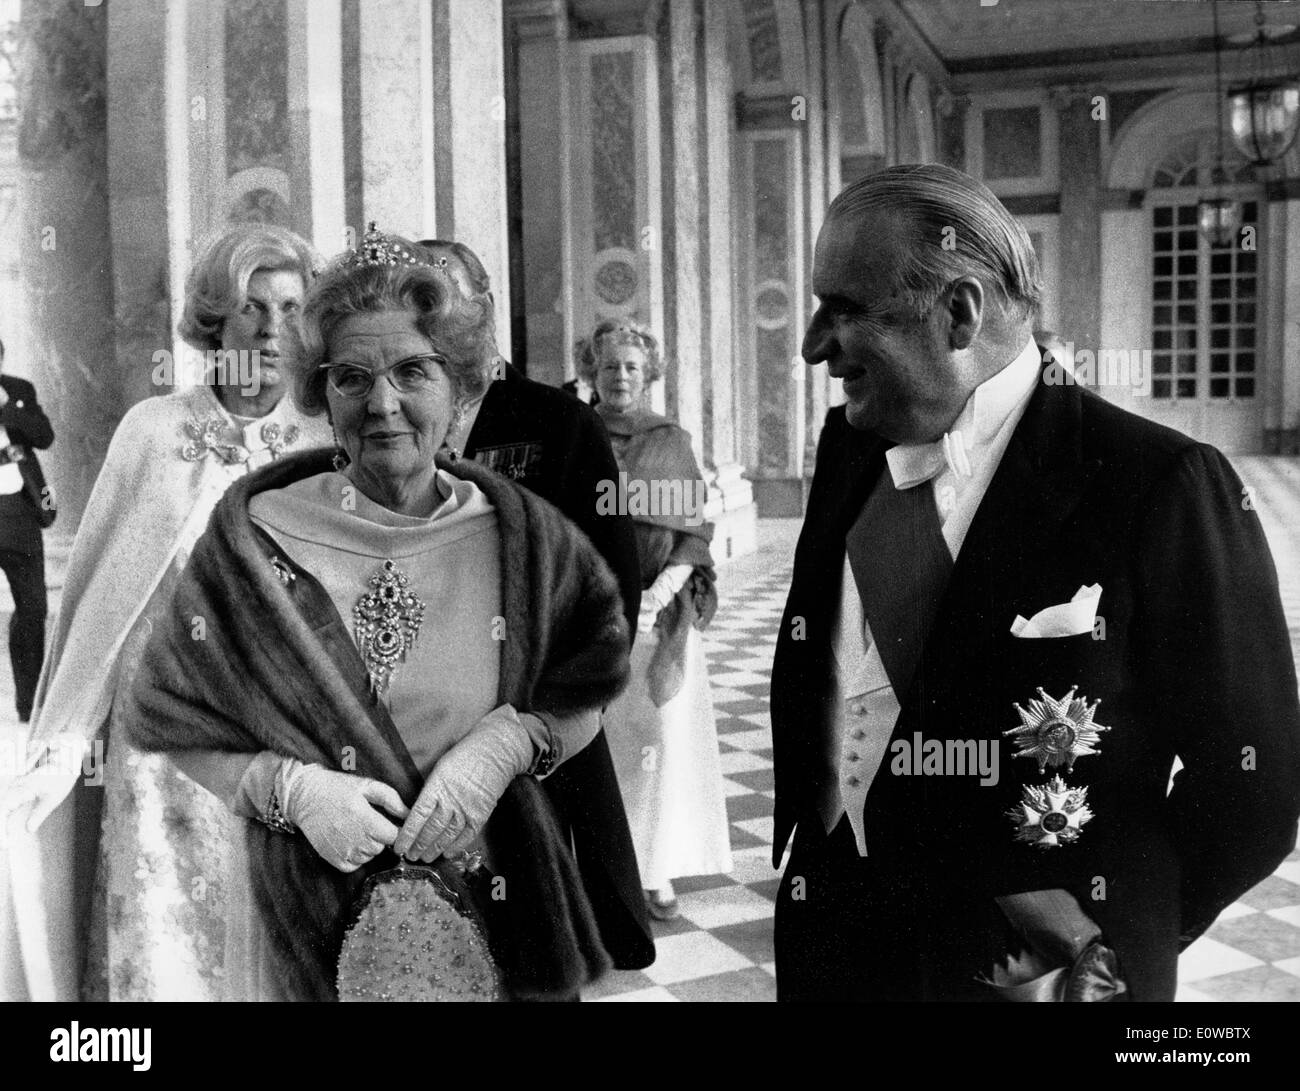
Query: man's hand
4, 397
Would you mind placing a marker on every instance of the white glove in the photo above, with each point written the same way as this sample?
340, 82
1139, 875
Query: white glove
45, 784
465, 786
336, 812
645, 620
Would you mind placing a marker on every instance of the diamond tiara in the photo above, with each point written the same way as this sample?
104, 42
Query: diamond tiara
378, 249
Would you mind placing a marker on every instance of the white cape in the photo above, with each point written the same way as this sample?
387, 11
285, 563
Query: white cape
148, 503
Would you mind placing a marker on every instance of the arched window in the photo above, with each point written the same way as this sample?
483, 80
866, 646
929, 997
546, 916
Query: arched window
1204, 298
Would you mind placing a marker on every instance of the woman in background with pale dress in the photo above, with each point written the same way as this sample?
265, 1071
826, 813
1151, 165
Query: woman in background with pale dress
662, 730
156, 927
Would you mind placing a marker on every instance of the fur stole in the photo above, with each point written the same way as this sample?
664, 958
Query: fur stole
246, 662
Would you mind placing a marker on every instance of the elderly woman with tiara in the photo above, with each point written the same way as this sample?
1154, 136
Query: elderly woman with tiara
161, 869
662, 729
400, 645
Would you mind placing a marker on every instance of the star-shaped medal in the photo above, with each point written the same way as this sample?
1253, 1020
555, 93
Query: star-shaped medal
1056, 732
1051, 815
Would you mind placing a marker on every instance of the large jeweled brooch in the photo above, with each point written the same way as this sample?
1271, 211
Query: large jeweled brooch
1056, 732
387, 620
277, 438
1050, 815
204, 439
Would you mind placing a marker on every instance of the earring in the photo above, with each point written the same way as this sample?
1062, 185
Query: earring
340, 460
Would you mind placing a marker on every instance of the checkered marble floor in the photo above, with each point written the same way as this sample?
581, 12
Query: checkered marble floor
721, 946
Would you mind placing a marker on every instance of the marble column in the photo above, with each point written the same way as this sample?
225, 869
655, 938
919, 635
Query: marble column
771, 194
887, 54
396, 115
74, 102
1285, 223
1080, 223
816, 148
539, 32
679, 117
316, 122
468, 109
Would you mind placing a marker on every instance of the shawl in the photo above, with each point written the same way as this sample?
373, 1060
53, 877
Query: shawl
275, 667
651, 448
147, 505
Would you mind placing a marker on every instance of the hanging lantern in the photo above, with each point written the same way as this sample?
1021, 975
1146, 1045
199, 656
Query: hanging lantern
1264, 107
1220, 220
1265, 117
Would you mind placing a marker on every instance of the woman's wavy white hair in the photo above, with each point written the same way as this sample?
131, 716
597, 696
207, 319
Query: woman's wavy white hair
614, 331
218, 282
459, 329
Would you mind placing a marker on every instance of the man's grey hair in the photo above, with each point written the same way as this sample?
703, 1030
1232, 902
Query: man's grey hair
953, 226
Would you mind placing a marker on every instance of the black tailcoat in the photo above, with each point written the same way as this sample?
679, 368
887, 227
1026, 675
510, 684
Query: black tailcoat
553, 444
29, 429
1195, 662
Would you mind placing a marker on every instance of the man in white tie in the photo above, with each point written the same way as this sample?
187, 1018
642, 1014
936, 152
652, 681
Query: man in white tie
1013, 605
26, 509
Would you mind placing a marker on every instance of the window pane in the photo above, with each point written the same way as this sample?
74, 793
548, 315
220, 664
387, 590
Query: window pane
1187, 215
1220, 339
1220, 361
1186, 363
1164, 216
1162, 339
1220, 312
1220, 288
1187, 388
1186, 265
1220, 263
1187, 240
1246, 288
1245, 388
1164, 267
1245, 361
1187, 315
1245, 338
1218, 388
1245, 262
1186, 339
1187, 289
1162, 316
1162, 289
1246, 314
1159, 388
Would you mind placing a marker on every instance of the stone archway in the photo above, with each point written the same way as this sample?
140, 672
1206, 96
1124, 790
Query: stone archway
857, 143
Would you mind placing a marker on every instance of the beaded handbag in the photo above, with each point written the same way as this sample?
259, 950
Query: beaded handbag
414, 938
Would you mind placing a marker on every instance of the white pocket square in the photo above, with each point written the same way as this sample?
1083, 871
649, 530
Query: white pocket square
1071, 618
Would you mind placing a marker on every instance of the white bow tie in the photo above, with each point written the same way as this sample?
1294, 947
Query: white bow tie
916, 463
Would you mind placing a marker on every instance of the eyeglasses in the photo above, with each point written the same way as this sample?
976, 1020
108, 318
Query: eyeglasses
414, 375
